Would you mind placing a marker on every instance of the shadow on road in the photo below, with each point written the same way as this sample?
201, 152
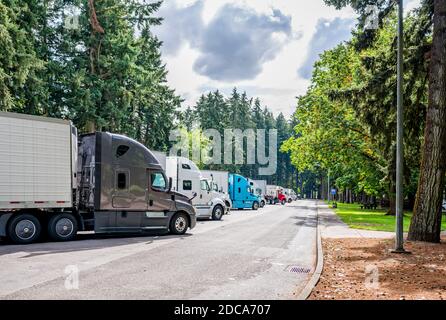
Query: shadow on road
301, 207
84, 242
306, 221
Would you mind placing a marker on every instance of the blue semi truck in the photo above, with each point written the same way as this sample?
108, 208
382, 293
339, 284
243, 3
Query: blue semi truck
241, 193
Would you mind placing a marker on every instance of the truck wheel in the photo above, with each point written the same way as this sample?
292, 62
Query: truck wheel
62, 227
262, 204
217, 213
283, 202
255, 206
179, 224
24, 229
290, 200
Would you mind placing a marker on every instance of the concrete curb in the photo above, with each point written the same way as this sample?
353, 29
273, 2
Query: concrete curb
306, 292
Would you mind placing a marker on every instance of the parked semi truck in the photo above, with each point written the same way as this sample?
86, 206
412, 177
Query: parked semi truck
55, 182
241, 193
290, 195
188, 180
259, 187
275, 195
218, 181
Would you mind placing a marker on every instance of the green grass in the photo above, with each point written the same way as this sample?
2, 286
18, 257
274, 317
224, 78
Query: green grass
375, 220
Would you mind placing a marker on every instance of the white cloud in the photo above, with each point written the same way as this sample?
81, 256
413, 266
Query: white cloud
411, 4
278, 83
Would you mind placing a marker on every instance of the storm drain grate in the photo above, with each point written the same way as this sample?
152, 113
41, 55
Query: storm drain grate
298, 269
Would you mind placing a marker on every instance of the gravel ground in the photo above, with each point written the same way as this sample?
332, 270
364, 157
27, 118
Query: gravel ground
365, 269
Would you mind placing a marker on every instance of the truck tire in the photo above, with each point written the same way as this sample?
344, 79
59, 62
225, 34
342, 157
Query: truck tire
62, 227
24, 229
290, 200
255, 206
217, 213
179, 224
283, 202
262, 204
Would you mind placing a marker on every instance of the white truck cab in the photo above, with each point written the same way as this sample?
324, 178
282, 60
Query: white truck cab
218, 180
188, 180
291, 195
259, 187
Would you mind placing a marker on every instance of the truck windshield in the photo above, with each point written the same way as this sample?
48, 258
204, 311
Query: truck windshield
158, 181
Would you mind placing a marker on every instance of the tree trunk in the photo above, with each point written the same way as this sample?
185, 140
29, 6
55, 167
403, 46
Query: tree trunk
392, 182
426, 221
392, 199
322, 189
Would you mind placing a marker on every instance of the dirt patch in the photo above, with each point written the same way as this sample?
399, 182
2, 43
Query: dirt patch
365, 269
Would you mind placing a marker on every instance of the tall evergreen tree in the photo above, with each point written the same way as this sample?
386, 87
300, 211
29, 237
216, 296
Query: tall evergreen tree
426, 221
21, 65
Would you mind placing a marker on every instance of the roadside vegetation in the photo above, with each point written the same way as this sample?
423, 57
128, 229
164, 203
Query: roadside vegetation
376, 220
346, 122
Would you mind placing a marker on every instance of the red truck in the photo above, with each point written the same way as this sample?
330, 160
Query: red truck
275, 195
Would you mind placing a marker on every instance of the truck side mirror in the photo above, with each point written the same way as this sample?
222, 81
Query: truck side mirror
170, 184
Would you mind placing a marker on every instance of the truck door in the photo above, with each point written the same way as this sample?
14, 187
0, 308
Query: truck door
205, 192
249, 200
159, 201
126, 220
121, 198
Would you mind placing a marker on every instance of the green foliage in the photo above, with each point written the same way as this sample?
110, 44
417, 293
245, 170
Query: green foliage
346, 123
103, 74
20, 63
328, 133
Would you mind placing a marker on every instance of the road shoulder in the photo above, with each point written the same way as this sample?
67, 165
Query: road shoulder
314, 280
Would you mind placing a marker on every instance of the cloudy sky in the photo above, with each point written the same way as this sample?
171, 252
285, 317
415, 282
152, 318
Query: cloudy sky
266, 47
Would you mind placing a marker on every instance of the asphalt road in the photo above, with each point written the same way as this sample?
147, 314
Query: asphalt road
247, 255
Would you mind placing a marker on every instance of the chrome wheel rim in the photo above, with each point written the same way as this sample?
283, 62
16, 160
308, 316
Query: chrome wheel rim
180, 224
25, 229
64, 227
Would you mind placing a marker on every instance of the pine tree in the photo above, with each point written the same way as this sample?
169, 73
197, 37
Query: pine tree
426, 221
20, 63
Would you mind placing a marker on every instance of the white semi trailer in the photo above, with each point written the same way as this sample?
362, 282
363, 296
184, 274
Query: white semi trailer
54, 180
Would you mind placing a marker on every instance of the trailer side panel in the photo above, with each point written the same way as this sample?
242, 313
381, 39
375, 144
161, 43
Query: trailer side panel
35, 162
